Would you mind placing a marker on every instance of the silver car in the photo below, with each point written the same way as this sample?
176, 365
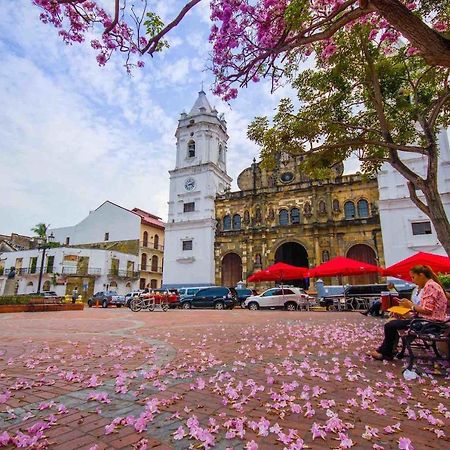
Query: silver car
289, 298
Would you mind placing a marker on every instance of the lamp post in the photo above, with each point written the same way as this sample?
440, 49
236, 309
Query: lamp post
43, 247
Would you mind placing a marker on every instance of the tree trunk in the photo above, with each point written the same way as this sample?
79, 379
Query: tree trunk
434, 47
437, 215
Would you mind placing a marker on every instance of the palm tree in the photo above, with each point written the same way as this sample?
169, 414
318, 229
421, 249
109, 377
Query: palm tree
40, 230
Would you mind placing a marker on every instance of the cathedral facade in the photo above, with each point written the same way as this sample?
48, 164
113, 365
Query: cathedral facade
282, 215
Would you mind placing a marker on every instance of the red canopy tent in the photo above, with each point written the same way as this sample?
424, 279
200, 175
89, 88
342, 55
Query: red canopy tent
279, 272
341, 266
439, 264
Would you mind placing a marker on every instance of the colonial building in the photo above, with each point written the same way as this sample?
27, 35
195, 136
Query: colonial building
199, 175
151, 249
406, 229
281, 215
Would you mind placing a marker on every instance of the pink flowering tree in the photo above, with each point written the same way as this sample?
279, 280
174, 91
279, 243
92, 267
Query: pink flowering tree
370, 98
251, 39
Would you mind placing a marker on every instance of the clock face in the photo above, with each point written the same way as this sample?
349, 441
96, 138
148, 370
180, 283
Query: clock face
189, 184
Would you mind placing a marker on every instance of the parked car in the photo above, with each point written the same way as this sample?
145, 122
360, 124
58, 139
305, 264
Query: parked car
290, 298
130, 295
107, 298
172, 296
190, 291
217, 297
241, 294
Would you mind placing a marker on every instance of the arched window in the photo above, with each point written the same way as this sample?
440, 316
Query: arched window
144, 261
283, 217
156, 241
154, 263
363, 208
322, 207
191, 149
349, 210
145, 239
236, 222
258, 215
336, 207
325, 256
227, 223
46, 286
246, 217
221, 158
295, 215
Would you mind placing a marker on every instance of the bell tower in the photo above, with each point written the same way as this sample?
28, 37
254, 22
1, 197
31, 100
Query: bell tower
199, 175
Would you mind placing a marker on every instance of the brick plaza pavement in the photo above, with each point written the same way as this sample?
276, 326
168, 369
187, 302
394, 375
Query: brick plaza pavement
113, 379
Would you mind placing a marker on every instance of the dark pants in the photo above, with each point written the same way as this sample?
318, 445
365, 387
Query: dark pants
74, 299
375, 308
391, 330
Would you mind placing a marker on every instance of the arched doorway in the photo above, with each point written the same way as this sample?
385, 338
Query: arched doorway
231, 270
294, 254
363, 253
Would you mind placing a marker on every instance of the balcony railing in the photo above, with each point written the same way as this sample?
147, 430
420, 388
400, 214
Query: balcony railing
123, 273
149, 268
30, 270
151, 246
68, 270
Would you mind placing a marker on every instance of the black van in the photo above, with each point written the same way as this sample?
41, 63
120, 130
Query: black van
217, 297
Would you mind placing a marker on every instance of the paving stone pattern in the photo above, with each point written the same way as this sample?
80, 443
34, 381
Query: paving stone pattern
113, 379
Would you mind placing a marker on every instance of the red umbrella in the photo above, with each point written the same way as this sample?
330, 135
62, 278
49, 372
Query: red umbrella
401, 269
279, 272
343, 266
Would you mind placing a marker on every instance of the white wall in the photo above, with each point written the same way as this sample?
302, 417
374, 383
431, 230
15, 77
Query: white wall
397, 211
98, 259
121, 224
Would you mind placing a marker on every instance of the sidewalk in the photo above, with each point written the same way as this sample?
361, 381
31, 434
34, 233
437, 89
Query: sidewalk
113, 379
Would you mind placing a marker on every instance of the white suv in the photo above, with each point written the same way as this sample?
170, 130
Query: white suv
290, 298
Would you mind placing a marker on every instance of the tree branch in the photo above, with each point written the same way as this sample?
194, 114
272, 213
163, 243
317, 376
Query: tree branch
416, 200
116, 18
152, 44
440, 102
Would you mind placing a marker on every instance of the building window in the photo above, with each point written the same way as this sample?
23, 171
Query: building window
189, 207
322, 207
325, 256
187, 245
33, 264
142, 283
336, 207
153, 284
421, 228
283, 217
156, 242
191, 149
295, 215
145, 239
154, 263
363, 208
227, 223
67, 240
221, 159
46, 286
236, 222
349, 210
258, 260
106, 237
50, 263
144, 261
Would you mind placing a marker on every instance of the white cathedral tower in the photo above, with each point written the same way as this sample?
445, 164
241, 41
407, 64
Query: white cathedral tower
200, 173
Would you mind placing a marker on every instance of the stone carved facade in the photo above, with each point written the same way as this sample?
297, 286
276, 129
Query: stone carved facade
288, 217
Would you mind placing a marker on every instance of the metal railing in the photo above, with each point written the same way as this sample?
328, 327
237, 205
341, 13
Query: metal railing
123, 273
68, 270
150, 268
150, 246
29, 271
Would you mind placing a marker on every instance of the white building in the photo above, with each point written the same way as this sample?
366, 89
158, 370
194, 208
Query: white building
200, 173
406, 230
109, 222
91, 270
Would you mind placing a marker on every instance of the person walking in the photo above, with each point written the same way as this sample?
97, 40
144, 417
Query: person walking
75, 294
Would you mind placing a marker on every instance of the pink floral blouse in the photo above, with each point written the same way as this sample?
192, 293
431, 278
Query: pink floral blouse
433, 299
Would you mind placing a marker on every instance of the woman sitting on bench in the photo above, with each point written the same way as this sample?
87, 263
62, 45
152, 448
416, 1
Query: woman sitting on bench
433, 305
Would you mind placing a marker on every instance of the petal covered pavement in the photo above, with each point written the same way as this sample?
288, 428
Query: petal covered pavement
113, 379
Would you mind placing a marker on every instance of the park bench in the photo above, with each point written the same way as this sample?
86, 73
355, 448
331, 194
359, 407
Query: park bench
424, 334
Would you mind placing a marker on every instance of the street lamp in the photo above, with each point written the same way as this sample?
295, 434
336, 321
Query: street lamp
43, 247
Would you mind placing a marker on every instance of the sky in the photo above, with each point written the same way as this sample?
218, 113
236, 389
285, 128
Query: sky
73, 134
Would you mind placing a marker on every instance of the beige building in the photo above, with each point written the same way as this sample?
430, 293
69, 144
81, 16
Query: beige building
281, 215
151, 249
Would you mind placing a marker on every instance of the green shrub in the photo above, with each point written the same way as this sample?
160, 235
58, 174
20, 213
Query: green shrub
15, 299
445, 280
